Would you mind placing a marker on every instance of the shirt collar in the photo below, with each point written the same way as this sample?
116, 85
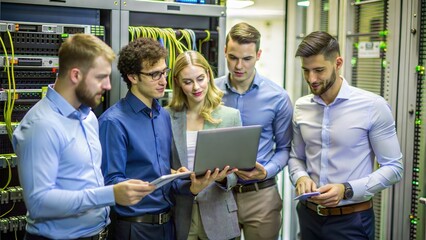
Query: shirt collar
257, 81
63, 107
138, 106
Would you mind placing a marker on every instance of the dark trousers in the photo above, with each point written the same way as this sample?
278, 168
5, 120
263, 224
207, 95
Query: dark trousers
124, 230
354, 226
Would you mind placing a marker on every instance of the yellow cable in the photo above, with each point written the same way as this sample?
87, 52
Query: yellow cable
206, 39
12, 105
9, 178
187, 37
132, 33
7, 117
13, 206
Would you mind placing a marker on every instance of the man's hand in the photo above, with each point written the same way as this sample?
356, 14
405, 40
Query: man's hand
131, 191
331, 195
304, 185
198, 184
258, 173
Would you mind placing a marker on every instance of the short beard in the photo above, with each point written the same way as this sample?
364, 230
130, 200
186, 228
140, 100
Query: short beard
330, 83
84, 96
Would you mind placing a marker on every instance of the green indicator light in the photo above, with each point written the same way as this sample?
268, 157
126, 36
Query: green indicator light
64, 35
416, 169
383, 33
382, 45
384, 63
418, 121
356, 45
353, 61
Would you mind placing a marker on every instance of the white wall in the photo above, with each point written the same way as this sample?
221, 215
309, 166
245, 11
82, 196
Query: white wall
271, 63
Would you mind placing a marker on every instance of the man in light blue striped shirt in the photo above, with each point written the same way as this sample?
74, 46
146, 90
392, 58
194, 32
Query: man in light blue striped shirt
338, 131
59, 152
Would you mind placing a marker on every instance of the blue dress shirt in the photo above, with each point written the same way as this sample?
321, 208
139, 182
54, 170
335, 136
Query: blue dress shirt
137, 146
337, 143
264, 103
59, 160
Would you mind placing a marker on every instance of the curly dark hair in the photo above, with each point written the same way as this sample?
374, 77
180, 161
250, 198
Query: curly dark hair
138, 53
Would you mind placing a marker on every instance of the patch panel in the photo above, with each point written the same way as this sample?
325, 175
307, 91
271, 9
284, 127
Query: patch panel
3, 162
4, 197
34, 61
22, 94
3, 127
12, 224
15, 193
4, 225
5, 158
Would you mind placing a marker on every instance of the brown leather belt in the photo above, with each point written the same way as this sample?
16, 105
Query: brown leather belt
337, 211
241, 188
149, 218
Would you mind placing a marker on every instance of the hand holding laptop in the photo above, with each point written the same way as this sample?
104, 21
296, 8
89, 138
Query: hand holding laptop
199, 183
258, 172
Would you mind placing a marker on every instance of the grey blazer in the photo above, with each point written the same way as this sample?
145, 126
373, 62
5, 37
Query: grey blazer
218, 208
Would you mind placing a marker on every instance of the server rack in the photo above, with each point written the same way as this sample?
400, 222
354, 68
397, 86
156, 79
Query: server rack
197, 17
37, 28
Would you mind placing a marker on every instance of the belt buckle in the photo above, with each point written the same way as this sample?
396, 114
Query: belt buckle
239, 188
162, 218
319, 207
256, 187
103, 234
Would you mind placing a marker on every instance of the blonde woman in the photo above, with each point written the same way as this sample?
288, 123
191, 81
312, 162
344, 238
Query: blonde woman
197, 105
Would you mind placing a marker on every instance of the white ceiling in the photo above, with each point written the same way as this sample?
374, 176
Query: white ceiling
260, 9
268, 4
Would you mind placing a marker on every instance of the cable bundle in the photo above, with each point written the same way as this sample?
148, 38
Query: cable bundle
167, 36
11, 90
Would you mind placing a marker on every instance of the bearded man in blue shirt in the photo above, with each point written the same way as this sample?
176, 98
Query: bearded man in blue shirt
59, 153
136, 139
338, 131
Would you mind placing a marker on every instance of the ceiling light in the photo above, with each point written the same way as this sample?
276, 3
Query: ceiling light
238, 3
303, 3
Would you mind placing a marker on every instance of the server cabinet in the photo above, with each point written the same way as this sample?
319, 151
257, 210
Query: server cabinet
31, 33
36, 28
199, 18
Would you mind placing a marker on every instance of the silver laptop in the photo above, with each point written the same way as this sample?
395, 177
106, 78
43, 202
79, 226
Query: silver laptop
233, 146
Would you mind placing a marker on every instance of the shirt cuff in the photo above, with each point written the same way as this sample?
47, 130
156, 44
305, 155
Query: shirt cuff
105, 196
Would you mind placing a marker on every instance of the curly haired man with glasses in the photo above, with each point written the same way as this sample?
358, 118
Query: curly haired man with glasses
136, 140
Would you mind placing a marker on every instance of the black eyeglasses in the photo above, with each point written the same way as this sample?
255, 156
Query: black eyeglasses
158, 74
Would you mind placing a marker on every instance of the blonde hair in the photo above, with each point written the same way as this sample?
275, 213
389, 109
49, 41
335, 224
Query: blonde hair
213, 96
80, 51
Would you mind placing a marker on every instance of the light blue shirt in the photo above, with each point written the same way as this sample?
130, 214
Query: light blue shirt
59, 160
264, 103
337, 143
